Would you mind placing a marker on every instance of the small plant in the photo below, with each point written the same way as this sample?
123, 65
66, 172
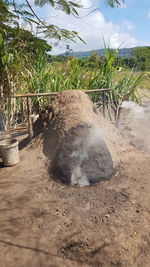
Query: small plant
125, 89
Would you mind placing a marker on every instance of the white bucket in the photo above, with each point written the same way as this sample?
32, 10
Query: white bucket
4, 136
9, 152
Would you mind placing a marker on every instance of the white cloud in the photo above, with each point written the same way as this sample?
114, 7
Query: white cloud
92, 29
148, 14
128, 25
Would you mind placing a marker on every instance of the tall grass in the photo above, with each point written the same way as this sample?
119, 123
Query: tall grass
39, 76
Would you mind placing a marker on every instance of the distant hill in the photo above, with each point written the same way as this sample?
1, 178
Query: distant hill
122, 52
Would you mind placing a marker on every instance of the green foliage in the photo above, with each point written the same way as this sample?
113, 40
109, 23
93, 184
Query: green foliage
26, 42
39, 76
129, 62
103, 77
18, 48
114, 3
26, 67
142, 58
75, 74
26, 12
111, 3
124, 89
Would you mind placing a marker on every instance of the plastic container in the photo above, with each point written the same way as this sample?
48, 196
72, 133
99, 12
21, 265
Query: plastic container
9, 152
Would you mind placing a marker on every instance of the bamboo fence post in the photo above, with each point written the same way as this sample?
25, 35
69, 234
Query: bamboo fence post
103, 96
29, 110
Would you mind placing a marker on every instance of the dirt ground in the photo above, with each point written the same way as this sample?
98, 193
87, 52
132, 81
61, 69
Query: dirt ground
45, 223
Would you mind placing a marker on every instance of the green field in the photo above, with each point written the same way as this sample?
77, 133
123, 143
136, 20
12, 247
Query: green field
144, 83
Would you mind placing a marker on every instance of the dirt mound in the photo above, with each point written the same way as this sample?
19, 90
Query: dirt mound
47, 223
78, 141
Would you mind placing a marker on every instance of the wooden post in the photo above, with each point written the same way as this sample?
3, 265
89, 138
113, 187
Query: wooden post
29, 110
103, 96
118, 115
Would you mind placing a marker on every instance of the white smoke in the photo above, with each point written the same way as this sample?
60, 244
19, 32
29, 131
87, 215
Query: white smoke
94, 137
137, 119
136, 109
78, 178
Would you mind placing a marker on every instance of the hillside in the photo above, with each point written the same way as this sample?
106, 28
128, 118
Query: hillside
123, 52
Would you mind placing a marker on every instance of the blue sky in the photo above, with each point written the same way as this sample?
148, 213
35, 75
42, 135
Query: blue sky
135, 11
128, 25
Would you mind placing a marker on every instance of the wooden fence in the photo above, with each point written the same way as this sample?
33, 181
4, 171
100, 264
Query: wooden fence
29, 103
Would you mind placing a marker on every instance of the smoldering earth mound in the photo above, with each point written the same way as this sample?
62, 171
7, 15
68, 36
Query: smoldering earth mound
77, 141
46, 223
83, 157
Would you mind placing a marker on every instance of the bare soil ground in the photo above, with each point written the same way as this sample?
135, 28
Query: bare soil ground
45, 223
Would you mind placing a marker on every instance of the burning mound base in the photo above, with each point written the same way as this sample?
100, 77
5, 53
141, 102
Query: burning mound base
83, 157
74, 142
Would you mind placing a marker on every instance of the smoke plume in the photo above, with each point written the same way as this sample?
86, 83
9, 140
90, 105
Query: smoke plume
93, 141
136, 120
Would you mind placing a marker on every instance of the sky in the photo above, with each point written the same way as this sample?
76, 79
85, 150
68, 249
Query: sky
127, 26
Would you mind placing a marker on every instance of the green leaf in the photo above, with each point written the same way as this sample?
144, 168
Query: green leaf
33, 21
1, 40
